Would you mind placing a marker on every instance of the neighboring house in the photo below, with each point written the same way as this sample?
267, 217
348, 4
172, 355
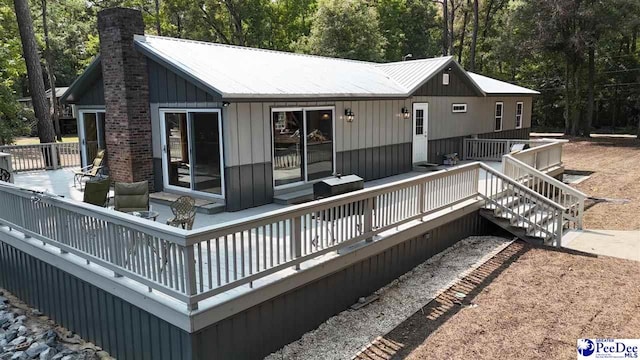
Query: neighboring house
245, 125
68, 123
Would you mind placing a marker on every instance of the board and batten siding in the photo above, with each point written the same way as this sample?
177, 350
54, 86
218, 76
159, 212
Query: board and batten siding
93, 95
479, 118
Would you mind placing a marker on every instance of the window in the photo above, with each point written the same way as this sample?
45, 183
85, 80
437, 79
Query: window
459, 108
498, 116
302, 144
445, 79
519, 107
419, 122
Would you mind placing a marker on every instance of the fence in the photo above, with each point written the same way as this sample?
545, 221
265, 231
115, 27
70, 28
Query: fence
191, 266
43, 156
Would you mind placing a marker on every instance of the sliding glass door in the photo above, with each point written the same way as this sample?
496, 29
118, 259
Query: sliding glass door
192, 150
302, 144
91, 134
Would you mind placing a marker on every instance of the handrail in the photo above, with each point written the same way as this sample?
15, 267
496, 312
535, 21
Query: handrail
193, 265
546, 177
43, 156
522, 187
548, 185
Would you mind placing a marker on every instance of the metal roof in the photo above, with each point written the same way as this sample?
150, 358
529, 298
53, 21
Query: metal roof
493, 86
236, 72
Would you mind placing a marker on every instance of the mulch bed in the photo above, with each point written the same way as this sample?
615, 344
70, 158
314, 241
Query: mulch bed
526, 302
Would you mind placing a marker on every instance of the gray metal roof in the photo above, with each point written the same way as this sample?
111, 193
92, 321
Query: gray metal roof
237, 72
493, 86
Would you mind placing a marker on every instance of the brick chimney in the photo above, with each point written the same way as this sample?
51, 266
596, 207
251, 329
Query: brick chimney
126, 96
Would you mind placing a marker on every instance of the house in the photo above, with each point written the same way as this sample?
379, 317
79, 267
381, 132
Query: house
68, 123
244, 126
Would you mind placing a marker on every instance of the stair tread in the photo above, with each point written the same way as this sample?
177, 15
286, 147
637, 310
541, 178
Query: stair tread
536, 216
522, 209
550, 228
504, 200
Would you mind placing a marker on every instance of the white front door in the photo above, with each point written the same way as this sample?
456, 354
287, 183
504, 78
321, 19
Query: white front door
420, 126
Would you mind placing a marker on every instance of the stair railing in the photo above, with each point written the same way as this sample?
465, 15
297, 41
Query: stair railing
545, 185
498, 188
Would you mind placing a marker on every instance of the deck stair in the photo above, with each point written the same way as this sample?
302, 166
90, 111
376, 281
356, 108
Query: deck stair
531, 204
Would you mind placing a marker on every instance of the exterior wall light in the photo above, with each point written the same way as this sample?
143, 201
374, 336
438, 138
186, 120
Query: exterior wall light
349, 114
405, 113
225, 103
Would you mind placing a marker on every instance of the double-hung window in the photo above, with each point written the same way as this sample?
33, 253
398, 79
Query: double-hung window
519, 107
498, 116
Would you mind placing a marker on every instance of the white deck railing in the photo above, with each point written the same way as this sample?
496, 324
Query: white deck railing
191, 266
493, 149
572, 199
43, 156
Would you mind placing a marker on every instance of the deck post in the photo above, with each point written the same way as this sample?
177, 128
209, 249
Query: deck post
422, 201
368, 218
54, 156
560, 222
114, 253
296, 234
464, 149
190, 276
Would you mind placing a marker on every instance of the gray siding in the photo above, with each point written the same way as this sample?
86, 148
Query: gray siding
124, 330
375, 162
478, 119
165, 86
93, 95
459, 85
377, 123
437, 148
264, 328
248, 186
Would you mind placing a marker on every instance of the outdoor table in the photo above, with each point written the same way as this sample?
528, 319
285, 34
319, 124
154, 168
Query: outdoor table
149, 215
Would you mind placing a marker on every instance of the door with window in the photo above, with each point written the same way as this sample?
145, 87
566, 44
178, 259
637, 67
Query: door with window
192, 151
302, 144
91, 134
420, 126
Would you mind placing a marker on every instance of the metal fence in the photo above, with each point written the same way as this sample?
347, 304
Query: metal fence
43, 156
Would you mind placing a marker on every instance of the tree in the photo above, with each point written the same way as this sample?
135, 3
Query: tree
474, 38
346, 29
34, 72
48, 60
13, 116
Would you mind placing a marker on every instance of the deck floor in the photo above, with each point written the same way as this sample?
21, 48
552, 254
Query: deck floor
60, 182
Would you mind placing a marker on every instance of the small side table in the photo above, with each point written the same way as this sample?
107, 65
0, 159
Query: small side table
148, 215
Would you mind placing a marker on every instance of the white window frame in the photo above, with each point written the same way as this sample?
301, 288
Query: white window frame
496, 117
520, 115
304, 110
81, 131
463, 110
165, 170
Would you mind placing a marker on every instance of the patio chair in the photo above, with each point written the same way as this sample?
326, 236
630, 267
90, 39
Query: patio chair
5, 175
91, 171
184, 212
95, 192
129, 197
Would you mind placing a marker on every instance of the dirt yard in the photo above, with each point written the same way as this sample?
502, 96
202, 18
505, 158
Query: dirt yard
616, 166
512, 308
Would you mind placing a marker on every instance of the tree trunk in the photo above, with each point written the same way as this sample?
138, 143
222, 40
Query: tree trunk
474, 37
48, 60
465, 20
451, 28
575, 106
34, 72
445, 28
567, 98
586, 131
158, 27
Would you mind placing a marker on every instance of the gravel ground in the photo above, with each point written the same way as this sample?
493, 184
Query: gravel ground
535, 304
343, 335
25, 333
616, 173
